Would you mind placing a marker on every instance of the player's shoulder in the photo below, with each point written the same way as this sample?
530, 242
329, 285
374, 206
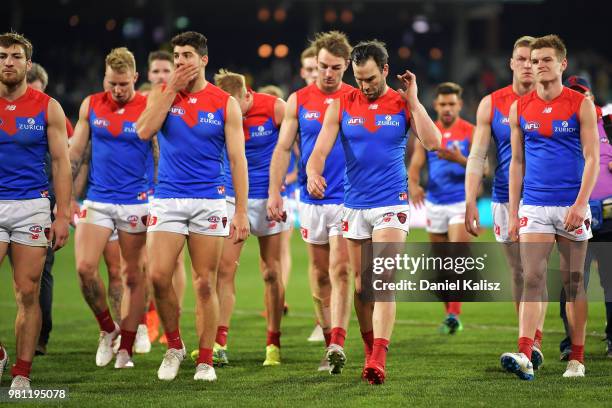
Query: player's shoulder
574, 98
465, 125
37, 96
96, 98
262, 98
216, 92
308, 89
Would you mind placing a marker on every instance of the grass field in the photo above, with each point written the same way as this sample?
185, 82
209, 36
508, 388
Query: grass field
424, 367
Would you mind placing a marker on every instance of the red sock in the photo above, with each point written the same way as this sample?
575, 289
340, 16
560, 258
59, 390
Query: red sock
274, 338
127, 340
453, 308
205, 356
22, 368
174, 340
105, 321
151, 306
524, 345
537, 341
1, 353
338, 334
221, 338
368, 343
379, 351
577, 353
143, 320
327, 336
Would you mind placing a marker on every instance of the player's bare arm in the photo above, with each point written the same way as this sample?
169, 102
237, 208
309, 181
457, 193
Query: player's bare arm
517, 172
281, 157
160, 100
421, 124
60, 166
589, 138
234, 141
325, 142
476, 164
80, 139
417, 161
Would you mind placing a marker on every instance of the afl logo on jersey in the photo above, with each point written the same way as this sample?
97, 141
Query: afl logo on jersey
101, 123
312, 115
356, 121
532, 126
177, 111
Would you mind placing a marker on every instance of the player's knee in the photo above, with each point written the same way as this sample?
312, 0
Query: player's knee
323, 280
204, 288
161, 282
86, 269
341, 272
27, 293
270, 275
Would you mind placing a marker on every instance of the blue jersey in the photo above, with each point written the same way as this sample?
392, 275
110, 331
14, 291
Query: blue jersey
311, 106
553, 151
374, 135
290, 188
23, 146
118, 156
260, 135
501, 100
191, 144
446, 183
150, 173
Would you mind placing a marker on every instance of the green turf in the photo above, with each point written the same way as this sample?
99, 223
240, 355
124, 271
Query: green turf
424, 367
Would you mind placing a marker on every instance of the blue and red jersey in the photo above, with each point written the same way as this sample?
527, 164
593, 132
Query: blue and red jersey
446, 183
23, 146
553, 152
374, 135
311, 106
191, 144
260, 137
501, 100
118, 156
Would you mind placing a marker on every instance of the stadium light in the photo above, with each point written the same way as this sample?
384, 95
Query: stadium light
73, 20
263, 14
281, 51
264, 51
420, 25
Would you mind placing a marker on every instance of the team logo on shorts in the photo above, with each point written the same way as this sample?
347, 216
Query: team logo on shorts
387, 217
214, 218
224, 221
47, 232
83, 213
403, 196
221, 190
144, 219
402, 217
523, 222
36, 229
587, 223
133, 220
497, 229
151, 220
345, 225
579, 231
304, 232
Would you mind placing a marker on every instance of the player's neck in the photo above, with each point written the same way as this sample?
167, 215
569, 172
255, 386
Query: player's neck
450, 125
549, 90
197, 84
11, 93
522, 88
329, 91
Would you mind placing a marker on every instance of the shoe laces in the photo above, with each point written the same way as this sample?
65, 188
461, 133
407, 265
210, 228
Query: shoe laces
170, 355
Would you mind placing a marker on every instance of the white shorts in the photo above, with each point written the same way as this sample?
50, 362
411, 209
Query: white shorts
291, 206
318, 222
440, 216
501, 217
261, 225
114, 236
360, 223
26, 222
549, 220
130, 218
184, 215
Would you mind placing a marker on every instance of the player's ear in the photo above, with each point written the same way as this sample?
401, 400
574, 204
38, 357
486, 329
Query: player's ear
205, 59
563, 64
135, 77
385, 70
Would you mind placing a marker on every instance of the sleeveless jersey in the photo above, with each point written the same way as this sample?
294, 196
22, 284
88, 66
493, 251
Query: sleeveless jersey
500, 131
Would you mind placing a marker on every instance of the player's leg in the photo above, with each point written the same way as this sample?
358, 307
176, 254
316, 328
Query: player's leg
205, 252
46, 302
27, 262
286, 262
320, 285
274, 294
112, 260
132, 266
179, 279
4, 244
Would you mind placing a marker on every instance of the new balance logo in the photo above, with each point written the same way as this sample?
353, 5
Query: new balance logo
120, 111
373, 106
547, 109
10, 107
193, 100
328, 101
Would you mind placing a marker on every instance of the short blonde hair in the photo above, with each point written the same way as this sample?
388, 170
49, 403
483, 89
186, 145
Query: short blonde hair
231, 82
272, 90
310, 52
524, 41
37, 73
120, 60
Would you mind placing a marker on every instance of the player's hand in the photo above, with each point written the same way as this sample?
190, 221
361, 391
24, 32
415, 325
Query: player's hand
574, 218
275, 208
59, 232
453, 154
409, 89
316, 186
75, 209
182, 76
472, 218
417, 195
239, 227
513, 227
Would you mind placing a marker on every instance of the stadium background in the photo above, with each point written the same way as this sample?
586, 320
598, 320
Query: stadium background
464, 41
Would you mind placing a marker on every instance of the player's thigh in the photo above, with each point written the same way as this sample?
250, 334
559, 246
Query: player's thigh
163, 249
338, 252
112, 257
319, 257
458, 233
205, 252
89, 243
28, 262
270, 251
132, 246
230, 259
3, 250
